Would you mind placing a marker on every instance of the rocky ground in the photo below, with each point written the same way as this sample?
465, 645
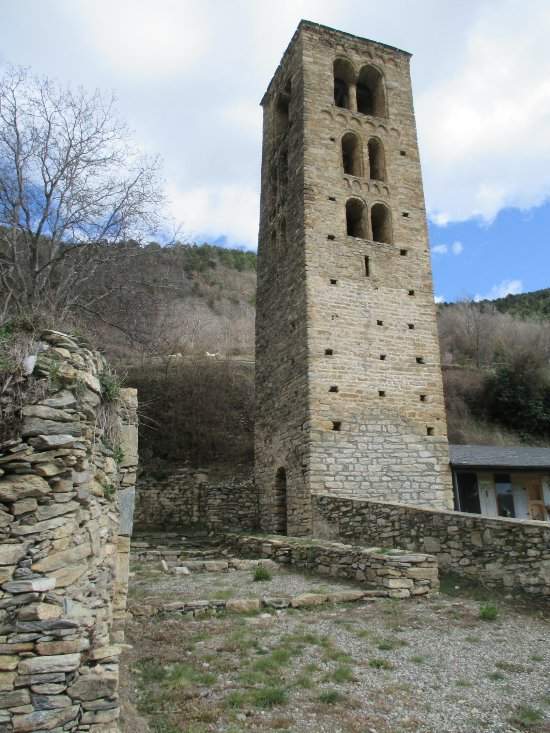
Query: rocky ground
459, 662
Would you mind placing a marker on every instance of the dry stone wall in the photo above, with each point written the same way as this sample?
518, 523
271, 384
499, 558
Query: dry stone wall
66, 504
496, 551
398, 573
191, 499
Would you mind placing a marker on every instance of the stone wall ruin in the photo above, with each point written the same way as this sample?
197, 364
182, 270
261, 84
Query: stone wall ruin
66, 505
194, 500
498, 552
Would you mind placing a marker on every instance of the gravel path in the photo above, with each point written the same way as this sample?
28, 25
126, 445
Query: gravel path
414, 666
231, 584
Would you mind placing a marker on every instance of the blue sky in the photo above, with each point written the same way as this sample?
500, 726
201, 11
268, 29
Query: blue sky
189, 75
476, 260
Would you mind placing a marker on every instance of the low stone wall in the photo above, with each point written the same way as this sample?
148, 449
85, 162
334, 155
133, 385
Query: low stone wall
401, 574
66, 503
506, 552
188, 499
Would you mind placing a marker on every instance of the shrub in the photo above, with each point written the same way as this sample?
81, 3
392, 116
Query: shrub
331, 697
380, 664
488, 612
268, 697
261, 574
110, 386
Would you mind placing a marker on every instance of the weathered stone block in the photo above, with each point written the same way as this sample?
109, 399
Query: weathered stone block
15, 488
47, 664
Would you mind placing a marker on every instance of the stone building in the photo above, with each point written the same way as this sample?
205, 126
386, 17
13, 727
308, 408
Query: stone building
349, 388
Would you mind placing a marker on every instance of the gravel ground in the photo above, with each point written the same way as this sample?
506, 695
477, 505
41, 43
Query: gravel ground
423, 666
230, 584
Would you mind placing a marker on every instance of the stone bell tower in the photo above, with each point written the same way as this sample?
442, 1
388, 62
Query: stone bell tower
348, 377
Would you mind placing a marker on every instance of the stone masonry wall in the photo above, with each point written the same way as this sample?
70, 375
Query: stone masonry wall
370, 303
399, 574
66, 504
187, 499
496, 551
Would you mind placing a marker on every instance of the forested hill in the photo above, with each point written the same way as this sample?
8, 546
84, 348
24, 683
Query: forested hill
525, 305
495, 357
149, 301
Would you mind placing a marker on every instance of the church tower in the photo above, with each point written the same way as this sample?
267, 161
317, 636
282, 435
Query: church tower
348, 378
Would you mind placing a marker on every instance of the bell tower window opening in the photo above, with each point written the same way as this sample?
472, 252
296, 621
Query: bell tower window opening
377, 162
355, 218
351, 155
381, 224
344, 76
371, 95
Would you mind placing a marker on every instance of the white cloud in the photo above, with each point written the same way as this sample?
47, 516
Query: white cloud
212, 211
483, 127
143, 39
506, 287
442, 249
439, 298
190, 74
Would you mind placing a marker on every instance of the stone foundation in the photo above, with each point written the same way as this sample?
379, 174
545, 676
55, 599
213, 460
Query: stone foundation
399, 573
190, 499
498, 552
66, 505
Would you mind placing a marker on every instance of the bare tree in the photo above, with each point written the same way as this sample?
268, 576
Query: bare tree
71, 184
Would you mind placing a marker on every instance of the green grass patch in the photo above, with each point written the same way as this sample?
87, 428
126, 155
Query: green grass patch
496, 676
510, 667
235, 700
380, 664
528, 717
331, 697
388, 645
269, 697
342, 674
488, 612
261, 574
418, 659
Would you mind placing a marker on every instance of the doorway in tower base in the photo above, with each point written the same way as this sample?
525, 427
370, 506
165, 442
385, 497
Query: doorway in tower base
280, 508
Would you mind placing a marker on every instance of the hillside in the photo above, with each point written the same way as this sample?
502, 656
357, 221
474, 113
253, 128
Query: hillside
184, 299
178, 322
524, 305
199, 299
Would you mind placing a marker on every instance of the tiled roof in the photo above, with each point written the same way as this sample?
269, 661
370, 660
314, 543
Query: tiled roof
499, 456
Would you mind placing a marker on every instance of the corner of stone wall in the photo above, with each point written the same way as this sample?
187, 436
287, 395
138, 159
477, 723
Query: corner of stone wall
66, 503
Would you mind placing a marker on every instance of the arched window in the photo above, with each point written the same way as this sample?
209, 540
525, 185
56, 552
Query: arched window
371, 97
377, 161
355, 218
351, 155
380, 219
343, 77
280, 503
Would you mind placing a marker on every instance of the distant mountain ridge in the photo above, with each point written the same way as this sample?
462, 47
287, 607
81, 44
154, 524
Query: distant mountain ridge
535, 304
